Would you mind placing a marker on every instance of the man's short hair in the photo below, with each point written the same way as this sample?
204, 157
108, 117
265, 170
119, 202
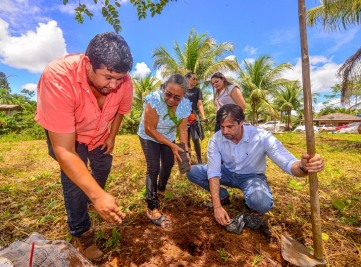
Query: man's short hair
230, 111
109, 50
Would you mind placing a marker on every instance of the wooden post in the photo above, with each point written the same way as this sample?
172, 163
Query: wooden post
310, 140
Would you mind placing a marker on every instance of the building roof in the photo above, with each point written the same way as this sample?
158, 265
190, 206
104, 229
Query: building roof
4, 107
338, 117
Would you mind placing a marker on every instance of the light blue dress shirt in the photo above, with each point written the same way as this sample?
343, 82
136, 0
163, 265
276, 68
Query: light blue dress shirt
249, 155
165, 125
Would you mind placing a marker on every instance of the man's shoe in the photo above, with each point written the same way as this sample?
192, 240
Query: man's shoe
86, 246
264, 229
224, 202
253, 221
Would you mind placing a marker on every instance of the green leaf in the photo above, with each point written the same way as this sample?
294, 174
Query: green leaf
325, 236
338, 204
168, 194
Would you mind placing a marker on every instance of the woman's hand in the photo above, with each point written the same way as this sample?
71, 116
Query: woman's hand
176, 149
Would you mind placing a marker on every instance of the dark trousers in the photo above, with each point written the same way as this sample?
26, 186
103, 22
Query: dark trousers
160, 160
193, 133
76, 202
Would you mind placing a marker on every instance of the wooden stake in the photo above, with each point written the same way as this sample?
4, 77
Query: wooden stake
310, 140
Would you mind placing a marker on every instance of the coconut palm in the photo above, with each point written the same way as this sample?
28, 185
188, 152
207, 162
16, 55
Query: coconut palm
143, 86
288, 98
333, 14
260, 80
201, 54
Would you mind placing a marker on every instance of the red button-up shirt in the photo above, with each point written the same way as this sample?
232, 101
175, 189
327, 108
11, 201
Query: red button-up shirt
66, 103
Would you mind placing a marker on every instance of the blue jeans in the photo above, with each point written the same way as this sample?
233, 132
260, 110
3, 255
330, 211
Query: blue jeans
257, 193
76, 202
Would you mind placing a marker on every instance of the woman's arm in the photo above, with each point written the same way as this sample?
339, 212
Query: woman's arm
183, 132
201, 109
238, 97
151, 119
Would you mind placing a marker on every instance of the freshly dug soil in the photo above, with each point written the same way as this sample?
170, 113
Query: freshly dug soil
194, 239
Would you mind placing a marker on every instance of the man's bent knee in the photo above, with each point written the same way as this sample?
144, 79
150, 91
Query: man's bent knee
260, 202
197, 173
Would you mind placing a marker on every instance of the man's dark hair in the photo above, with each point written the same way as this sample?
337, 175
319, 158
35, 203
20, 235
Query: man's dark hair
230, 111
109, 50
189, 74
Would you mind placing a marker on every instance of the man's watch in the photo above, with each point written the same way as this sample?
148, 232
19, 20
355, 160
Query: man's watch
302, 168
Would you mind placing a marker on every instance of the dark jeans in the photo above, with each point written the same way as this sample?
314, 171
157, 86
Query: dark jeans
76, 202
156, 154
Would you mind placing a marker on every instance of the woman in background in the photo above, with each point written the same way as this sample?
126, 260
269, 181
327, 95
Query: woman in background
225, 93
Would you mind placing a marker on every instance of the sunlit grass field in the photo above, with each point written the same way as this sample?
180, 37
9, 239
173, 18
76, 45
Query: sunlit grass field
31, 196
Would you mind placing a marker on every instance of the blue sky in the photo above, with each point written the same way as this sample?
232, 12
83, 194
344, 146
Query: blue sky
34, 32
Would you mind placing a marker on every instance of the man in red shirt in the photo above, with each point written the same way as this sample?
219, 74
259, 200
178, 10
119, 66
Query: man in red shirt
81, 103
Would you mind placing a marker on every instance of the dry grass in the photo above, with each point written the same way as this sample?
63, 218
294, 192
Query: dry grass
31, 196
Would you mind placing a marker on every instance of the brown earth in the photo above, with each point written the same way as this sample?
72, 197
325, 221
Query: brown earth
194, 239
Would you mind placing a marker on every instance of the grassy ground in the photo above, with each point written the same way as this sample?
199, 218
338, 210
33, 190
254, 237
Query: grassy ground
31, 196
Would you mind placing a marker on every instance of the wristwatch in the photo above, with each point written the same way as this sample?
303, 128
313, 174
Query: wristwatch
303, 168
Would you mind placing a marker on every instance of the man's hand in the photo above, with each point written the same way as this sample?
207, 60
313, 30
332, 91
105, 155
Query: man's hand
108, 209
314, 164
109, 144
221, 216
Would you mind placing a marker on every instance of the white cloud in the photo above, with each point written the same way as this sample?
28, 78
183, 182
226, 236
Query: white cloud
34, 49
30, 86
250, 50
21, 14
322, 73
141, 70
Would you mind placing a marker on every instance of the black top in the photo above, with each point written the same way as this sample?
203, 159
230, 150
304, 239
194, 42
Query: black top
194, 95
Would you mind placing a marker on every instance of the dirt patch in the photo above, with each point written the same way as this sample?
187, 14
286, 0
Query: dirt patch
194, 239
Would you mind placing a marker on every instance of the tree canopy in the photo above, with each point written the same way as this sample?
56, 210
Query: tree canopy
110, 13
333, 14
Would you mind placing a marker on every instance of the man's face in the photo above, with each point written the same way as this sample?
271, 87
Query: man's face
104, 80
192, 81
231, 129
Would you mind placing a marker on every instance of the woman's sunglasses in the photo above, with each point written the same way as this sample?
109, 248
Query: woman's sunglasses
176, 98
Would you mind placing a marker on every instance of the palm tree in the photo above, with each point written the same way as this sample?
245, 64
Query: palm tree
142, 87
333, 14
260, 80
201, 54
288, 99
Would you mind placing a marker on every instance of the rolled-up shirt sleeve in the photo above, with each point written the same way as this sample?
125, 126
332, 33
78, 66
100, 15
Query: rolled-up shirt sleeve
279, 154
214, 158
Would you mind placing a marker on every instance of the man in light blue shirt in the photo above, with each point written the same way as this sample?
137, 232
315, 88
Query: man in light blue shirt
243, 151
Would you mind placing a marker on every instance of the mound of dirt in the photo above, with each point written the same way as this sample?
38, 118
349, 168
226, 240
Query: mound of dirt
194, 239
